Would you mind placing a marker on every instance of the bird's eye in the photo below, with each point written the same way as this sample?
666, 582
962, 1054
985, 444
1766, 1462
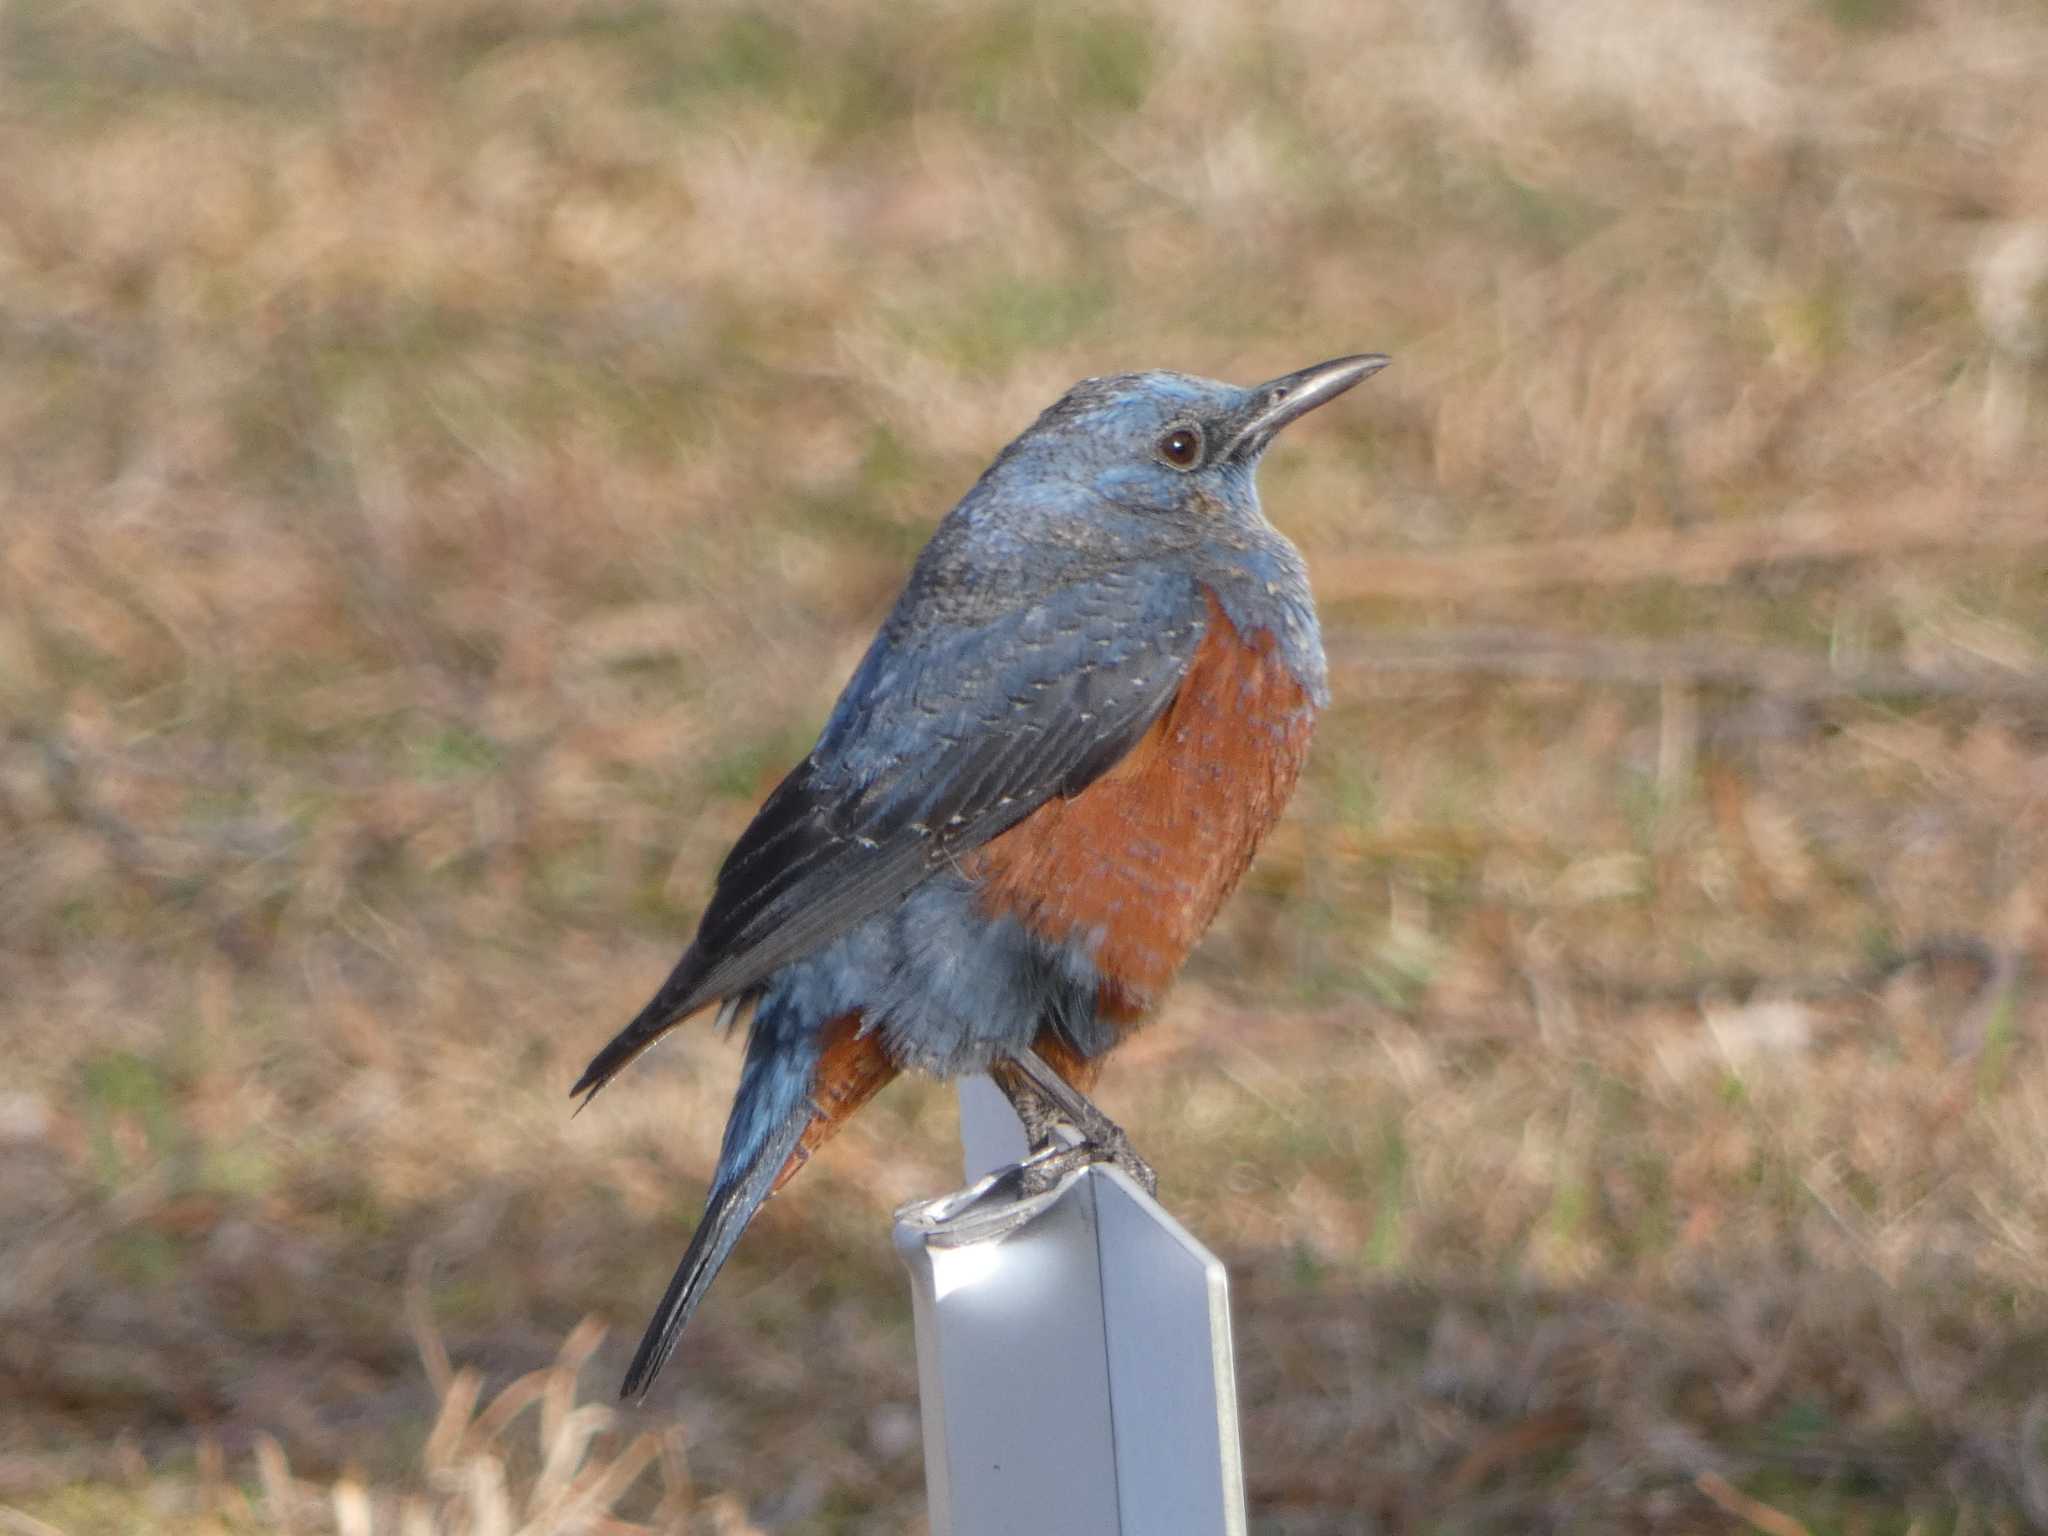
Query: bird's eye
1181, 447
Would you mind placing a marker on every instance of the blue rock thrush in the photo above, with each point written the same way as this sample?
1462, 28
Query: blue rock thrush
1091, 701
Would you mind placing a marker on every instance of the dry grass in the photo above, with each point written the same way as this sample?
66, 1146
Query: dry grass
453, 451
476, 1477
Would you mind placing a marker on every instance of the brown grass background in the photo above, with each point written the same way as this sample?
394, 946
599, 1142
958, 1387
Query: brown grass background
451, 452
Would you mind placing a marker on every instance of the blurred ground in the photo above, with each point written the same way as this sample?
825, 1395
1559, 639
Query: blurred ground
454, 450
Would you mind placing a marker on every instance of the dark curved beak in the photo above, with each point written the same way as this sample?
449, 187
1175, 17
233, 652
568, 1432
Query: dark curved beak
1293, 395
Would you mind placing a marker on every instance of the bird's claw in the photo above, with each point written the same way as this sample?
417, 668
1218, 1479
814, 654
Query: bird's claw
1044, 1101
1046, 1168
988, 1210
993, 1207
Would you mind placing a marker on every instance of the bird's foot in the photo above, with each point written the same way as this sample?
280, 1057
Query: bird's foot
1045, 1099
1046, 1167
1011, 1198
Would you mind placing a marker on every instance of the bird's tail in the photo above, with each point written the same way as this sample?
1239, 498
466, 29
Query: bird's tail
735, 1196
799, 1086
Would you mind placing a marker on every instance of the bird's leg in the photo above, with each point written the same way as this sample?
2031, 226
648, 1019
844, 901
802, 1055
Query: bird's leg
1042, 1098
1034, 1110
1050, 1157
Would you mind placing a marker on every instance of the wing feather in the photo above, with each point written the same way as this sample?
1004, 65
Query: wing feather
938, 744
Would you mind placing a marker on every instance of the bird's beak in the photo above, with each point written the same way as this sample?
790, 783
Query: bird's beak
1275, 404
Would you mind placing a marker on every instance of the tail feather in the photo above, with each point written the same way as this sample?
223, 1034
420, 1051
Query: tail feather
772, 1110
803, 1077
732, 1205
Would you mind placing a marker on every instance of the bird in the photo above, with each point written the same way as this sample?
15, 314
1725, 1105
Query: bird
1090, 702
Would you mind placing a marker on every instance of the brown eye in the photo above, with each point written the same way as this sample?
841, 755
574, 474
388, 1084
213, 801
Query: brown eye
1181, 447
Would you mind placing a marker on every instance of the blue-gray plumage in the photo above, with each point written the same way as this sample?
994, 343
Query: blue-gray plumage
1053, 763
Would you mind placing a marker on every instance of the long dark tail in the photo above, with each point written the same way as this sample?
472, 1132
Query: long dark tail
770, 1113
733, 1201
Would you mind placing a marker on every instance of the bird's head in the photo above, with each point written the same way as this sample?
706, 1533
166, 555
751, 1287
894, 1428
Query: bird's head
1169, 447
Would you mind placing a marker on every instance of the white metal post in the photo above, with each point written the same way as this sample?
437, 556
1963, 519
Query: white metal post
1073, 1354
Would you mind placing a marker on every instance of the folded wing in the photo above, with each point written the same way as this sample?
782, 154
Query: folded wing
941, 741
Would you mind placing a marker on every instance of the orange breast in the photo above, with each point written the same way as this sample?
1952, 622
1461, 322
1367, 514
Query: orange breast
1140, 861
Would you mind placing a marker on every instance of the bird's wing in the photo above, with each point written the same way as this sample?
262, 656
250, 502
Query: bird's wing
934, 748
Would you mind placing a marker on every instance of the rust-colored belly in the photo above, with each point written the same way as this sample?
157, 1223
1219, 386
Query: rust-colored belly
1138, 863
